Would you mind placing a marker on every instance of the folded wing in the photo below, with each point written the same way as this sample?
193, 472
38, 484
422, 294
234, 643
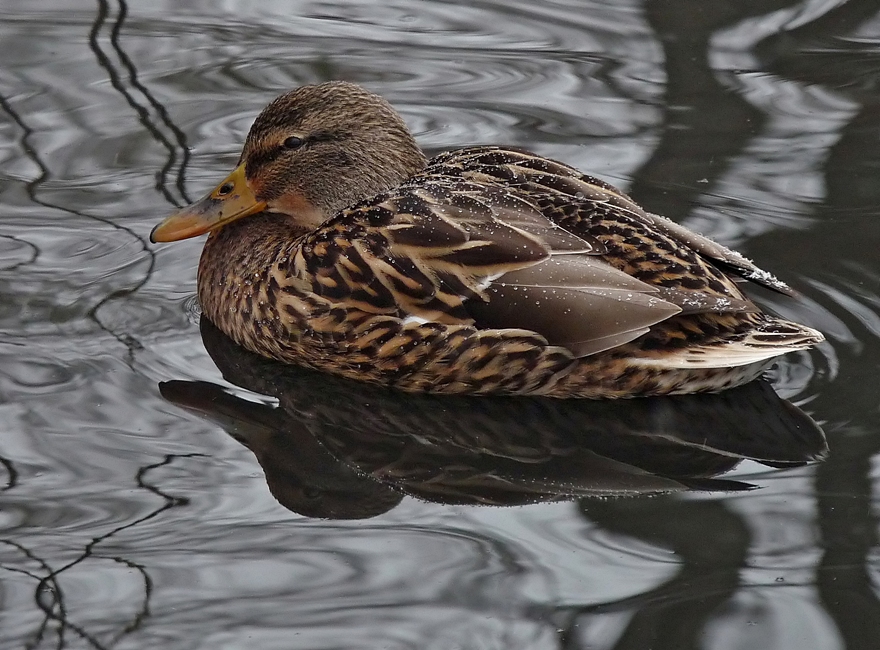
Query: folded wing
467, 253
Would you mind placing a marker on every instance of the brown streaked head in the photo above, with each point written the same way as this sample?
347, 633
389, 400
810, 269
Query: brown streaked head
312, 152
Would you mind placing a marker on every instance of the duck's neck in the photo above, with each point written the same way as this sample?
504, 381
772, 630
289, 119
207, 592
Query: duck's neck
234, 270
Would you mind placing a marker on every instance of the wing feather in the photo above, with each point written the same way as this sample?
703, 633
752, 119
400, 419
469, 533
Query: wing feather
534, 173
585, 321
456, 251
725, 257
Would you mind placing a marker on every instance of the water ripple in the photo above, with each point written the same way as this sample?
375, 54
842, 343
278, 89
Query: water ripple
101, 112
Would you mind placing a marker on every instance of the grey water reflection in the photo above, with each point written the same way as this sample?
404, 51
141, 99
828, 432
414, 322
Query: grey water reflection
127, 521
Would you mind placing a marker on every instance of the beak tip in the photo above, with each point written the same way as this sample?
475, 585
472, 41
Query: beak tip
209, 212
153, 238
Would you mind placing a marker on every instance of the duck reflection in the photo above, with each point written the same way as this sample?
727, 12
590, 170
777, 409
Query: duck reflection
340, 449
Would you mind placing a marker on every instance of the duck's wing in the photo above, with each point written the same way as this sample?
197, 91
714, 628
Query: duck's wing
570, 196
458, 252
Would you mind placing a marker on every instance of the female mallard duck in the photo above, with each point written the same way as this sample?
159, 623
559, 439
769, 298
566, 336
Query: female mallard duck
483, 270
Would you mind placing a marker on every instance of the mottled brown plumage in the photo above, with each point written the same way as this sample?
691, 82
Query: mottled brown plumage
484, 270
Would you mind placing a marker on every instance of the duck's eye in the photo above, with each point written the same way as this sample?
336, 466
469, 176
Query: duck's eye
293, 142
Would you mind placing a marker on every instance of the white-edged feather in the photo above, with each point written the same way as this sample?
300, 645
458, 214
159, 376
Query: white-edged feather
754, 348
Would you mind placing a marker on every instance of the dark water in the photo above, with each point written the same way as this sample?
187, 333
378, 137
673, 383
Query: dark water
129, 521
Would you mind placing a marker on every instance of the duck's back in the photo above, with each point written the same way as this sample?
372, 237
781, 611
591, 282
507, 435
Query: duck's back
718, 338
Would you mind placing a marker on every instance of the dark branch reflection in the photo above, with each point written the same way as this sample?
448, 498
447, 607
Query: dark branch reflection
705, 123
48, 594
11, 473
710, 542
33, 193
819, 52
325, 454
143, 113
706, 126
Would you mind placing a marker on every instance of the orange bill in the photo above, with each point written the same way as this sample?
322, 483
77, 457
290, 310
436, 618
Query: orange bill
230, 200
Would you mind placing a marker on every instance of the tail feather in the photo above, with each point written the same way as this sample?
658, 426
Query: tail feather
770, 338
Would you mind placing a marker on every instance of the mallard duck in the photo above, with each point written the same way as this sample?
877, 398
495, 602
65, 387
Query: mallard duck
336, 245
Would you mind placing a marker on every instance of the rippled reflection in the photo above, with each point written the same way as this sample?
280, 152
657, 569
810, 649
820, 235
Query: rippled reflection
126, 521
336, 448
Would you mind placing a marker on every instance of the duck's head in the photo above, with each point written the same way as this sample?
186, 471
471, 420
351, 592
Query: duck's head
310, 153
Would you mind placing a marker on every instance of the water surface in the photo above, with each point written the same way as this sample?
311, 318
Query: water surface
129, 521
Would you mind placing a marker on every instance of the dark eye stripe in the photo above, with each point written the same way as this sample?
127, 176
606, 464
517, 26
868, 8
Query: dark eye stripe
326, 136
258, 159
